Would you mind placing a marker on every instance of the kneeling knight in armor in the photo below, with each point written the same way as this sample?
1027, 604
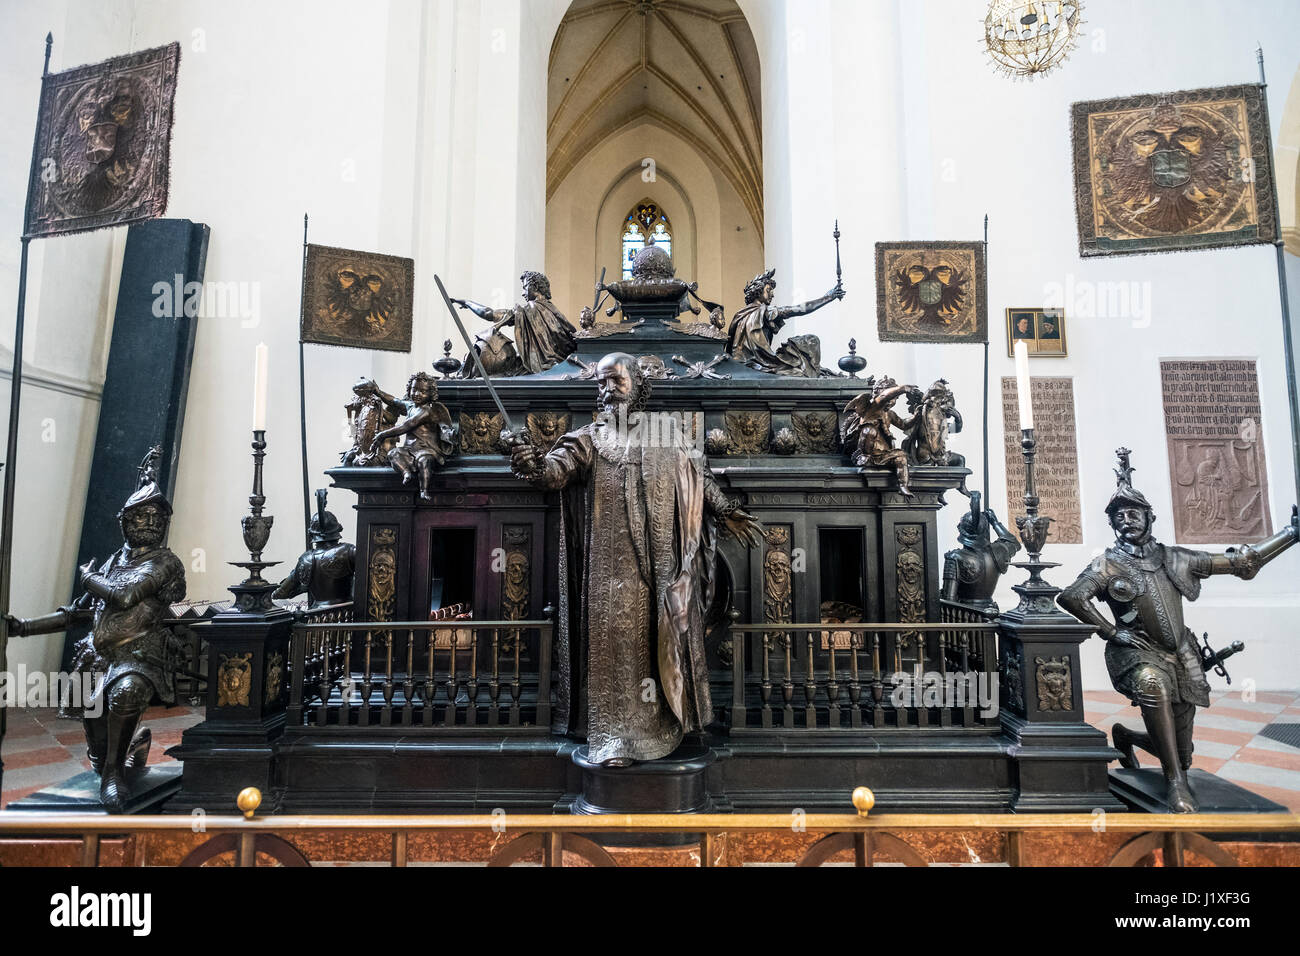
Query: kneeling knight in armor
1152, 656
130, 652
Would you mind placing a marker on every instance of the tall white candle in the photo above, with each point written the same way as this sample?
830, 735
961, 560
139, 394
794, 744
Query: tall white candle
259, 389
1023, 387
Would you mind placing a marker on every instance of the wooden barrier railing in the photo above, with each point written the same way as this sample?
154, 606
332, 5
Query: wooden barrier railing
552, 835
796, 678
437, 675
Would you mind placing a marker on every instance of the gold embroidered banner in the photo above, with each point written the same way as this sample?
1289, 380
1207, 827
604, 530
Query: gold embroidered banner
1161, 172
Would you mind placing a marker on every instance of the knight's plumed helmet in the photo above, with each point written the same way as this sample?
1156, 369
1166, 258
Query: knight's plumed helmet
324, 526
147, 489
1126, 496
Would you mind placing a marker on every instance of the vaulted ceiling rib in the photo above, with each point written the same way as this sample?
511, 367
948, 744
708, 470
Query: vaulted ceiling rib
689, 66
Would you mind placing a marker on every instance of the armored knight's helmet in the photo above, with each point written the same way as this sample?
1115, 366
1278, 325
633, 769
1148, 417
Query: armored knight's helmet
1125, 494
973, 528
324, 527
147, 490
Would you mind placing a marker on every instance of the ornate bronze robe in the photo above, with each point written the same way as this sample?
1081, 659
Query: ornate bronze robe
636, 575
750, 341
543, 336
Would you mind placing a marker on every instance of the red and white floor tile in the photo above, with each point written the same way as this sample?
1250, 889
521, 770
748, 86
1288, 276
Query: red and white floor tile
1227, 738
39, 749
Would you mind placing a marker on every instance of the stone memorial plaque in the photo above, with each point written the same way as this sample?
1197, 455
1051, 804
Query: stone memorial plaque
1056, 465
1216, 455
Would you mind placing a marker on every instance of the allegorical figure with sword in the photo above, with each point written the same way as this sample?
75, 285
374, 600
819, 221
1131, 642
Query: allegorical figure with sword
1152, 656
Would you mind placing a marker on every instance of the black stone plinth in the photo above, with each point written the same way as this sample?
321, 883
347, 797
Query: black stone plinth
673, 784
1145, 790
150, 788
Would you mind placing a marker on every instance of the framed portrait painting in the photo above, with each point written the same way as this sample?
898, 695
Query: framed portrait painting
1042, 331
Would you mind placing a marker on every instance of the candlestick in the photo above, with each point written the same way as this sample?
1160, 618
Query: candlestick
1024, 392
1036, 594
259, 388
254, 592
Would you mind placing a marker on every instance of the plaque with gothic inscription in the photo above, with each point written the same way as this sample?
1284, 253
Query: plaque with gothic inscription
1216, 455
1056, 465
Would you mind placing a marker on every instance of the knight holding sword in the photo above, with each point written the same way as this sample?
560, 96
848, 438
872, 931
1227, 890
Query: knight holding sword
1153, 658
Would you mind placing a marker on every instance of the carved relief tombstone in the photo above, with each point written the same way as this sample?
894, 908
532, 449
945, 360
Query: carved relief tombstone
1056, 468
1216, 453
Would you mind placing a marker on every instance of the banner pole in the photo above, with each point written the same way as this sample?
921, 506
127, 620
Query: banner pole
302, 394
986, 374
1279, 248
11, 446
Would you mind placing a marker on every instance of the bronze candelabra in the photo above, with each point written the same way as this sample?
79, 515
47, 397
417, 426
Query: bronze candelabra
1036, 595
254, 592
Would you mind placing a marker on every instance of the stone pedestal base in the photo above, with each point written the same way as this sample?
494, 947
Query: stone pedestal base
674, 784
1144, 789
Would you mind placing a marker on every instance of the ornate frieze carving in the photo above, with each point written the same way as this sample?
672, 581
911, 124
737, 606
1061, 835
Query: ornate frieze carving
1052, 679
747, 432
816, 433
382, 574
480, 433
545, 428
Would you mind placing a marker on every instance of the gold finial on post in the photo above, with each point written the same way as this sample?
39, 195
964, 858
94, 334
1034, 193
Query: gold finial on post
250, 798
863, 800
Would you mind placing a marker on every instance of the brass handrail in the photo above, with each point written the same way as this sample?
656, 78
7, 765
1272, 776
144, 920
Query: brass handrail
22, 822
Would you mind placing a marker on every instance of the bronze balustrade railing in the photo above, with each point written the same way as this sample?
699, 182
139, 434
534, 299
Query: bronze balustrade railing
549, 836
798, 678
445, 675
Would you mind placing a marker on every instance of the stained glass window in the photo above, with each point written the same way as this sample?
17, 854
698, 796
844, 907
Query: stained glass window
646, 221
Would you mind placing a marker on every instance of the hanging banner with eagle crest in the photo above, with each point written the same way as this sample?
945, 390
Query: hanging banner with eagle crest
931, 292
1172, 171
103, 136
360, 300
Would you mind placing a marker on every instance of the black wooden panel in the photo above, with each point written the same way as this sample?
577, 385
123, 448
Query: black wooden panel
148, 376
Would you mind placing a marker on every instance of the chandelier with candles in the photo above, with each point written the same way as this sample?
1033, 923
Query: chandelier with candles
1026, 38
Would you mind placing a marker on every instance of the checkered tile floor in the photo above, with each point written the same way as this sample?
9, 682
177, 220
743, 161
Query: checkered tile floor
1227, 738
40, 749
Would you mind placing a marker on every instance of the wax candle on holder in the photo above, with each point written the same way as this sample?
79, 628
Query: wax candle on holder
1023, 389
259, 389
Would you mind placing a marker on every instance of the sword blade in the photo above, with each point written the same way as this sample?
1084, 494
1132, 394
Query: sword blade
473, 353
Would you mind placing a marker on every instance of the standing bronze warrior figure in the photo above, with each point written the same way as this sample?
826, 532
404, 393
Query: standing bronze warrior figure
637, 562
755, 325
1152, 656
324, 573
126, 600
543, 336
971, 572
